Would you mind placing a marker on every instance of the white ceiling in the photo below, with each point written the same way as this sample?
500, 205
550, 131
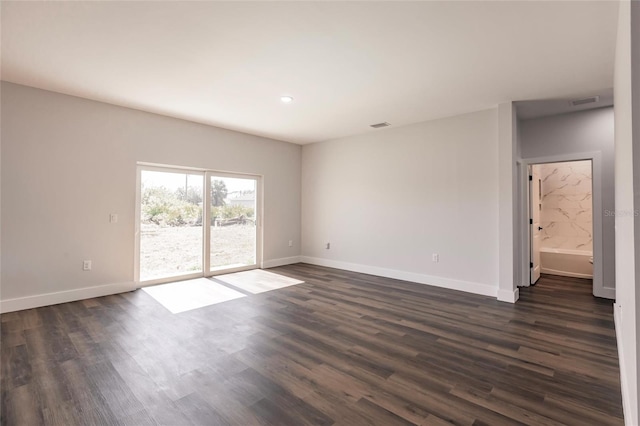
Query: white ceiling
347, 64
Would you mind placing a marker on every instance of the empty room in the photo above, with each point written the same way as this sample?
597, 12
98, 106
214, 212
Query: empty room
319, 213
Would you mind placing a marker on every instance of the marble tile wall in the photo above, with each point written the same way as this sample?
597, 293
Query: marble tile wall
567, 212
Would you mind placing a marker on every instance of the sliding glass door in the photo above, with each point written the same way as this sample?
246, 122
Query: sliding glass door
195, 223
171, 234
233, 231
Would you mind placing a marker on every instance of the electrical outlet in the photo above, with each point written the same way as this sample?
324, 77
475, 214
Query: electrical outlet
435, 257
290, 243
328, 246
86, 265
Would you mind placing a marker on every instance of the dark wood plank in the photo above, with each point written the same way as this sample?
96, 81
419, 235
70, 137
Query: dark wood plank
342, 348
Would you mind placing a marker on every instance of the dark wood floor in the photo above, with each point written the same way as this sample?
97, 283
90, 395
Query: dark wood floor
342, 348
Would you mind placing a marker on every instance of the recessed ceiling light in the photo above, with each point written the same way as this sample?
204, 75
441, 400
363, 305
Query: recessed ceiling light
286, 99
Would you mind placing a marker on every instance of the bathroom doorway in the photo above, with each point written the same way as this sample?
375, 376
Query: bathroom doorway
561, 212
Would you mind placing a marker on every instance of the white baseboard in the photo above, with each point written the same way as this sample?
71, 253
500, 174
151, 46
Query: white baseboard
272, 263
469, 287
510, 296
624, 385
605, 292
29, 302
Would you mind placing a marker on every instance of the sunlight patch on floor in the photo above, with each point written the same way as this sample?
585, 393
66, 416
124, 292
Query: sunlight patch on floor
257, 281
192, 294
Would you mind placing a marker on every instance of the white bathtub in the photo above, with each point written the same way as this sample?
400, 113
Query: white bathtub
568, 263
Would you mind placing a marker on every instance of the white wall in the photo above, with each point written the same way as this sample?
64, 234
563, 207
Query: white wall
68, 162
508, 236
626, 305
387, 200
580, 132
635, 120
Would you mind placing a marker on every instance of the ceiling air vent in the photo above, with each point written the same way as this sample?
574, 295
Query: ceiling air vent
379, 125
584, 101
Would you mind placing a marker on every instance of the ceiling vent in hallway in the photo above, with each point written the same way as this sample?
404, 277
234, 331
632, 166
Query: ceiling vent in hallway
379, 125
584, 101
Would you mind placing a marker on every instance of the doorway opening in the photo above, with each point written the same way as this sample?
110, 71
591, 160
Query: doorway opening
195, 223
561, 212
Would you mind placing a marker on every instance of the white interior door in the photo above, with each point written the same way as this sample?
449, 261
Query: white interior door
535, 191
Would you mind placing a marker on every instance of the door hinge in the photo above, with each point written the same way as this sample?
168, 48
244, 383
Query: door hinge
530, 177
530, 264
530, 221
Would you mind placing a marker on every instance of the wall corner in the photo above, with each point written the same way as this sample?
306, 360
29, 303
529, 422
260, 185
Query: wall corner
506, 198
509, 296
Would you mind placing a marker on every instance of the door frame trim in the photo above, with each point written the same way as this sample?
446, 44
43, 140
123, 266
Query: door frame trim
531, 222
596, 181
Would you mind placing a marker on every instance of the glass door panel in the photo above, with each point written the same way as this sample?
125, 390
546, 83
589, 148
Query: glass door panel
233, 227
171, 233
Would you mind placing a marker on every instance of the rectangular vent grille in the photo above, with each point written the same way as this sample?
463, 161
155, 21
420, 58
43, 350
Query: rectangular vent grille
584, 101
379, 125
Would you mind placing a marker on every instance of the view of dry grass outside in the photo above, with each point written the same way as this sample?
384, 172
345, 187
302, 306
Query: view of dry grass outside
233, 245
167, 251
